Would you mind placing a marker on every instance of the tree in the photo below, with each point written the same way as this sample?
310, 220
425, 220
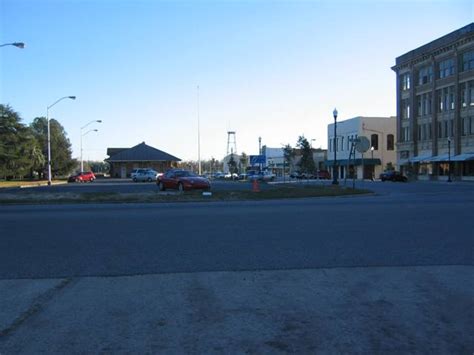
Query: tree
243, 162
232, 165
17, 145
61, 153
306, 163
288, 155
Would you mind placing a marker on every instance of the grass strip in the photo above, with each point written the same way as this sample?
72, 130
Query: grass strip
281, 192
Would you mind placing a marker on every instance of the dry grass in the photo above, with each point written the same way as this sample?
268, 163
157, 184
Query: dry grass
281, 192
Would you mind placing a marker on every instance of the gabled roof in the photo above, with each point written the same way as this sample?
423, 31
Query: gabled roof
113, 151
141, 152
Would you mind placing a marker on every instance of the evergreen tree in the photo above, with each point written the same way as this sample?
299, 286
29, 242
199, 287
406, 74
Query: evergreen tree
17, 145
61, 153
306, 163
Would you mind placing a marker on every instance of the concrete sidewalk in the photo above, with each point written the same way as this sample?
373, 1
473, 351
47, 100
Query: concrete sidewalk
347, 310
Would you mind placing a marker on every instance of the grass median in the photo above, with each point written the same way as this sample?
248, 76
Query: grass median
280, 192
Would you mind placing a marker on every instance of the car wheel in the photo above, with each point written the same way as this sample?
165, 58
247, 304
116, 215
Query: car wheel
180, 187
149, 180
161, 186
78, 180
134, 179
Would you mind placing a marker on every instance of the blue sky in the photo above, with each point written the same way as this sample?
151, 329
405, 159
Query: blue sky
274, 69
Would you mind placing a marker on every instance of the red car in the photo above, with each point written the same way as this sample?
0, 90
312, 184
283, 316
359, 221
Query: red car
323, 174
182, 180
87, 176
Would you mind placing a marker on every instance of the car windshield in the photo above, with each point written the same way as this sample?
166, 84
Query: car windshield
185, 173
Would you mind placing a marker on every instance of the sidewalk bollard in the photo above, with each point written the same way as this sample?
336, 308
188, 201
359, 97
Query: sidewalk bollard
255, 186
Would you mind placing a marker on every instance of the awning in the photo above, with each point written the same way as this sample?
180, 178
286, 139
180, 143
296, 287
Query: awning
442, 157
357, 161
420, 158
463, 157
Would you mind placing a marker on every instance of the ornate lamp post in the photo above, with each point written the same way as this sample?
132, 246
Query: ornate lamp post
334, 167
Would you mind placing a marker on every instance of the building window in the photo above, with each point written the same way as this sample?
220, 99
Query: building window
390, 142
374, 141
405, 81
425, 75
468, 61
446, 68
466, 126
405, 109
424, 104
405, 134
446, 99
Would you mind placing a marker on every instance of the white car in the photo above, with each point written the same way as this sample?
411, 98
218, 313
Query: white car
147, 175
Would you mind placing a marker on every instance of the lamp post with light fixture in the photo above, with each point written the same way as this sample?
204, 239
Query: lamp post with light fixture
82, 135
14, 44
449, 159
49, 134
334, 167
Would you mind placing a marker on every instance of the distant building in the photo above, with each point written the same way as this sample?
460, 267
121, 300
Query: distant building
380, 131
435, 107
123, 160
275, 160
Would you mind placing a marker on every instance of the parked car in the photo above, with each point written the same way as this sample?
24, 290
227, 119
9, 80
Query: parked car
231, 176
182, 180
323, 174
147, 175
260, 175
137, 171
393, 176
85, 176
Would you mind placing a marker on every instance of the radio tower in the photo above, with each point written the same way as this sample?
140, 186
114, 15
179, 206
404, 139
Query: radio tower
231, 143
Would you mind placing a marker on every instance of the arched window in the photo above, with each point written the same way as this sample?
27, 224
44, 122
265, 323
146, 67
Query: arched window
390, 142
374, 141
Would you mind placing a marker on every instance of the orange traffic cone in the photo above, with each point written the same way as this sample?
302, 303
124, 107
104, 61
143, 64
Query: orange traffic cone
255, 186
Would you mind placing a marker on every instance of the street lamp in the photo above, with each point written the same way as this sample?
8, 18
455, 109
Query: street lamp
449, 159
334, 167
15, 44
82, 135
49, 134
373, 164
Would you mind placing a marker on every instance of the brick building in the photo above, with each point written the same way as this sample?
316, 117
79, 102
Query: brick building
435, 108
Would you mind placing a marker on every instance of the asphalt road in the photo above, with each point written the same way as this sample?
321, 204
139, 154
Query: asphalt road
403, 225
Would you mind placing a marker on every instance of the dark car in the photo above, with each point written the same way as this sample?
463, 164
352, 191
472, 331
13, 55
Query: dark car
85, 176
181, 180
393, 176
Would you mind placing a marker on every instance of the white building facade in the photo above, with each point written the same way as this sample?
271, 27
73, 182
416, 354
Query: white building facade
381, 133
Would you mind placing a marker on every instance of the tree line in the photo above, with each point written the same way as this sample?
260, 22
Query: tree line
24, 148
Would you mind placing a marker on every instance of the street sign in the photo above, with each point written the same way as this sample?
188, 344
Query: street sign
362, 144
257, 159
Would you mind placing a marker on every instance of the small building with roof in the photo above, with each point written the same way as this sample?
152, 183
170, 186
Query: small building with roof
123, 160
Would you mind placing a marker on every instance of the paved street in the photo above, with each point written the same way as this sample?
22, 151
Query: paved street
409, 246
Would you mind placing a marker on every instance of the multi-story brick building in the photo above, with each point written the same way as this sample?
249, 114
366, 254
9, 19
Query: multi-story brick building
435, 108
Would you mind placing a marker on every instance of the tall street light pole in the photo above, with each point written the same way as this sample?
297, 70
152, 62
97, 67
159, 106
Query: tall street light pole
92, 130
199, 133
14, 44
449, 159
334, 167
49, 134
